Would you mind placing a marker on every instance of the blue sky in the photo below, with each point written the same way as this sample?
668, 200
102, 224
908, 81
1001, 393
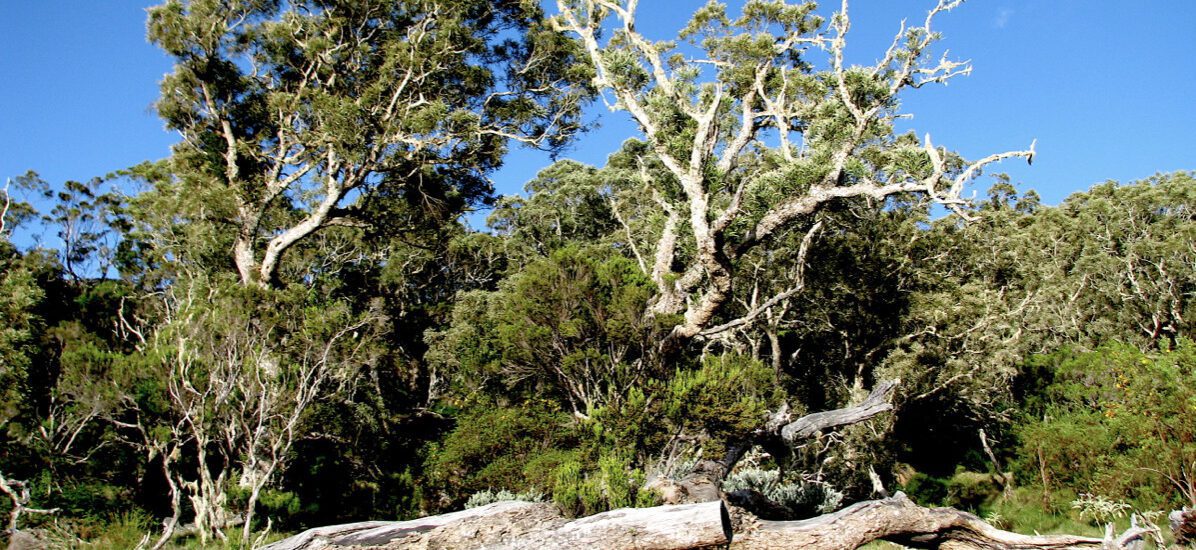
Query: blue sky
1107, 87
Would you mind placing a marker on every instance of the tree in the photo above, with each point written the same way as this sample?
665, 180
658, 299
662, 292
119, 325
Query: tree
234, 371
298, 116
1112, 263
19, 295
706, 120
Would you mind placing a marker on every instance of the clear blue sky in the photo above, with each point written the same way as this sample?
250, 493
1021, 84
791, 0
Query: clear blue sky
1107, 87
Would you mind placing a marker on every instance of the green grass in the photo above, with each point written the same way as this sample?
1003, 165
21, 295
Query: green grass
128, 530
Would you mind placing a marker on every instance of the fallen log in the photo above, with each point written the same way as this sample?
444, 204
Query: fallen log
898, 520
372, 533
701, 525
516, 525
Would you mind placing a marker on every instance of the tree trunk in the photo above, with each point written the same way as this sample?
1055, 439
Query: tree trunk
897, 520
516, 525
176, 506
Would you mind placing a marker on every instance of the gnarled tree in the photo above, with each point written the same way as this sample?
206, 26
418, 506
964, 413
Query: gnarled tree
755, 139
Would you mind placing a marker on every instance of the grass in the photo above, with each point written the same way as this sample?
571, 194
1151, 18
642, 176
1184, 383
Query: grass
127, 531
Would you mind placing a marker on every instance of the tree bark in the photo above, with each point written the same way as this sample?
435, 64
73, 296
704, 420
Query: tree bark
516, 525
899, 520
808, 426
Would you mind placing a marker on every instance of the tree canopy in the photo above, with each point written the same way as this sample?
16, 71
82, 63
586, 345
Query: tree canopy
300, 116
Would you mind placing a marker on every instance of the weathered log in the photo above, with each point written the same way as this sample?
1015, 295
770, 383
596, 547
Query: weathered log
808, 426
702, 525
525, 526
368, 533
896, 519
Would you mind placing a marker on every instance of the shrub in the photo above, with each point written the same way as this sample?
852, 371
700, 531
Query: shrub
803, 498
926, 490
613, 484
1117, 422
726, 396
972, 490
491, 448
483, 498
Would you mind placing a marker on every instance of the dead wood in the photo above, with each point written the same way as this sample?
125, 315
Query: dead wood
516, 525
899, 520
810, 425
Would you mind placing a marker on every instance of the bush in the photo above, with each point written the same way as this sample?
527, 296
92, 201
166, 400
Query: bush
972, 490
1117, 422
726, 396
483, 498
492, 447
926, 490
803, 498
614, 484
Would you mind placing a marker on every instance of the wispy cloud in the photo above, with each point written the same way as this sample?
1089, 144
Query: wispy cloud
1003, 17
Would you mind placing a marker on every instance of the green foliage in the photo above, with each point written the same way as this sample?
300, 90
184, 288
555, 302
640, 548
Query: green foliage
612, 484
1112, 263
972, 490
726, 396
567, 202
567, 488
495, 448
279, 503
1100, 509
122, 531
977, 492
302, 116
19, 297
1118, 422
572, 323
1023, 513
926, 490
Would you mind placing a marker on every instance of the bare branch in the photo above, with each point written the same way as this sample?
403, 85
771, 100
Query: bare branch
807, 426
